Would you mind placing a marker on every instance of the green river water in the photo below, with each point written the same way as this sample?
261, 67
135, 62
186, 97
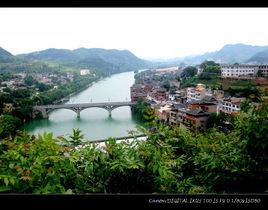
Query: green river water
95, 123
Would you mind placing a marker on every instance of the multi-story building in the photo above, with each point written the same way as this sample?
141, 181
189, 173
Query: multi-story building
230, 106
263, 69
184, 117
208, 104
197, 93
243, 70
139, 91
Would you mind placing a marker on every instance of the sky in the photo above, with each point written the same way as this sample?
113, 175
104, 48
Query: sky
149, 33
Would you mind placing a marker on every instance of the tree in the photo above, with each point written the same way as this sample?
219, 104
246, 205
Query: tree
8, 125
259, 74
42, 87
189, 71
211, 67
221, 120
252, 128
166, 85
76, 137
245, 106
144, 112
29, 80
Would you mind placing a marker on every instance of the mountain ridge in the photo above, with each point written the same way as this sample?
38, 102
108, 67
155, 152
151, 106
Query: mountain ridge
120, 60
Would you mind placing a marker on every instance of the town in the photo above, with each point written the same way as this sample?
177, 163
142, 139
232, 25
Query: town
190, 107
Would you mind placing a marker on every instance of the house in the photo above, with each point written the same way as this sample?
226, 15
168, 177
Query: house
184, 117
84, 72
163, 113
208, 104
230, 105
198, 93
138, 91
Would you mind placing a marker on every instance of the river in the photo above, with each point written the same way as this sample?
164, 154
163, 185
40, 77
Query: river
95, 123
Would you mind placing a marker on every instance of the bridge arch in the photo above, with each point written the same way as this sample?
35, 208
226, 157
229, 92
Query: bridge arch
80, 107
51, 110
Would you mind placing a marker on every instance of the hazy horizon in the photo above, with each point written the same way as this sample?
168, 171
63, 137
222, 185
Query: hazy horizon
149, 33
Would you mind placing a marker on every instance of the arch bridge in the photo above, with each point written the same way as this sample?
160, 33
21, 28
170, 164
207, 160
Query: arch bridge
77, 108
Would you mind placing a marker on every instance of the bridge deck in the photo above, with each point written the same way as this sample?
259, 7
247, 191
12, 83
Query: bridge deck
128, 103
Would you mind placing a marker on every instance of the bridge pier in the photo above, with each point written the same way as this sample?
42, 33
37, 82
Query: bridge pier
44, 113
77, 110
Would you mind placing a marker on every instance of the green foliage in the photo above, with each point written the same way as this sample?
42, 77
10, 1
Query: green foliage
36, 165
245, 106
29, 80
211, 67
8, 125
166, 85
252, 129
189, 71
250, 92
171, 160
222, 121
144, 112
76, 137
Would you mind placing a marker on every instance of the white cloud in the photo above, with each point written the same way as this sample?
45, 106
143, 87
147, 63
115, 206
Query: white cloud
147, 32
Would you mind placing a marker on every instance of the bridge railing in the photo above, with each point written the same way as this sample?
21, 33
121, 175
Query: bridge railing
87, 104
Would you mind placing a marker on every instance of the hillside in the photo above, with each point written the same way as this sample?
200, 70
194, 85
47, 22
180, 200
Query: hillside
260, 57
112, 61
5, 56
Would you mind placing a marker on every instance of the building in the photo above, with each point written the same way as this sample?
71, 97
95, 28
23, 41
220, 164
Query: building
218, 94
230, 105
163, 113
192, 119
243, 70
162, 71
138, 91
208, 104
263, 69
197, 93
159, 94
84, 72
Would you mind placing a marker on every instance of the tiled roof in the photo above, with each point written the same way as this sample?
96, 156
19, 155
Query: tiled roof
198, 112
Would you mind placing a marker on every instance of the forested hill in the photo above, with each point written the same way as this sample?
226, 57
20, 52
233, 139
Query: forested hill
6, 57
112, 61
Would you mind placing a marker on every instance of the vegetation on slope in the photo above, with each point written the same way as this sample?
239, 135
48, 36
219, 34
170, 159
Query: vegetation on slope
171, 160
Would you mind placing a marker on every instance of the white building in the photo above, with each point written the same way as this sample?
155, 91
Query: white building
84, 71
197, 93
244, 70
230, 106
264, 70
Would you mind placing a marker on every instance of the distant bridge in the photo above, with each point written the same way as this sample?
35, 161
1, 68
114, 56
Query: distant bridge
77, 108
